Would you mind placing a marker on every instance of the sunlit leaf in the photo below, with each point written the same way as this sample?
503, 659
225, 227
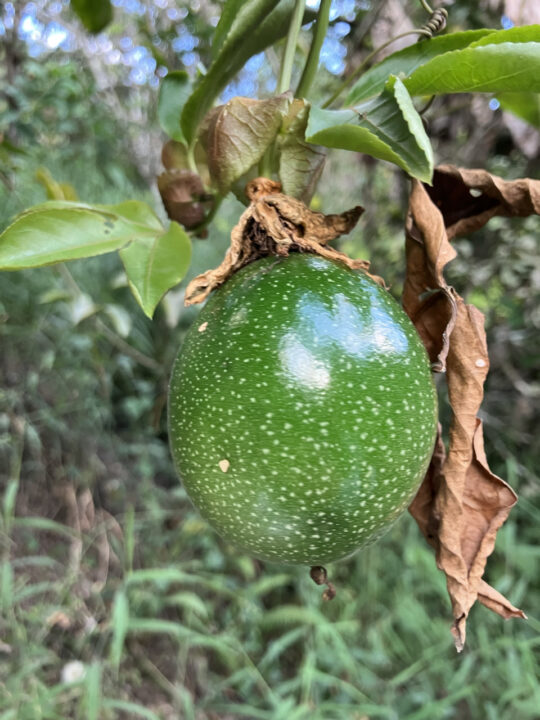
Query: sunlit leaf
239, 134
244, 40
524, 105
57, 231
235, 18
508, 60
405, 61
174, 90
387, 127
300, 162
156, 264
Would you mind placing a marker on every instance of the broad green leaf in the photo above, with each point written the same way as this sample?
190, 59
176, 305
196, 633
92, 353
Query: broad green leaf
238, 21
156, 264
387, 127
229, 14
524, 33
239, 134
241, 44
498, 67
57, 231
119, 622
300, 162
94, 14
525, 105
136, 212
174, 90
405, 61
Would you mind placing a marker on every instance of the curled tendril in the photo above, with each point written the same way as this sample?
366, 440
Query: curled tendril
435, 24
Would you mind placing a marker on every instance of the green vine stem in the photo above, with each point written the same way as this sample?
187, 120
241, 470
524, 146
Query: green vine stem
211, 215
285, 73
312, 62
358, 71
426, 7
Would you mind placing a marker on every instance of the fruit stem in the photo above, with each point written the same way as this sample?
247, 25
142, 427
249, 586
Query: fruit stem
320, 577
312, 62
285, 71
211, 215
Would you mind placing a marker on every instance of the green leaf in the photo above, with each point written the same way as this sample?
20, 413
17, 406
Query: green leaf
524, 33
503, 65
300, 162
229, 14
58, 231
156, 264
129, 709
94, 14
387, 127
174, 90
239, 134
120, 318
525, 105
405, 61
91, 699
120, 622
251, 32
188, 601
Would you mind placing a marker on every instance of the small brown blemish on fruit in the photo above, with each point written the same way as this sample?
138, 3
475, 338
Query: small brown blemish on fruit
202, 327
224, 465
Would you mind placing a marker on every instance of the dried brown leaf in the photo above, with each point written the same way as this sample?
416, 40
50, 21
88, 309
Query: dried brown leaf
461, 503
276, 224
467, 199
184, 197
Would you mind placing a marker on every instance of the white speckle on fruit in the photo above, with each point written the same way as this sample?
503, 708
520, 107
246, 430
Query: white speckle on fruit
224, 465
202, 327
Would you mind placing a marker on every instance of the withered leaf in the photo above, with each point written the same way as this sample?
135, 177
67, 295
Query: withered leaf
300, 162
184, 197
238, 133
461, 503
174, 157
276, 224
467, 199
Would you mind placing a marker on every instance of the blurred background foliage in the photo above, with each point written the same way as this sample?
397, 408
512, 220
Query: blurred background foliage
116, 599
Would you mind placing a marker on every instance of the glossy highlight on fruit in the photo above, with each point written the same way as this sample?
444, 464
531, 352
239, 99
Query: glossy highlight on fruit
302, 411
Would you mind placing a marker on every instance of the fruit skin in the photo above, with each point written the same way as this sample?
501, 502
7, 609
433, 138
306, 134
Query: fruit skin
302, 411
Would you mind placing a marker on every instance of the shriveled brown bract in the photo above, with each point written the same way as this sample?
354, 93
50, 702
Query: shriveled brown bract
461, 503
276, 224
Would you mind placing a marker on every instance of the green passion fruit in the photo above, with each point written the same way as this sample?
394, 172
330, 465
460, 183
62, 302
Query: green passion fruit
302, 411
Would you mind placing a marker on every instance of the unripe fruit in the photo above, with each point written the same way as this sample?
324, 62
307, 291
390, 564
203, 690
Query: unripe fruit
302, 412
